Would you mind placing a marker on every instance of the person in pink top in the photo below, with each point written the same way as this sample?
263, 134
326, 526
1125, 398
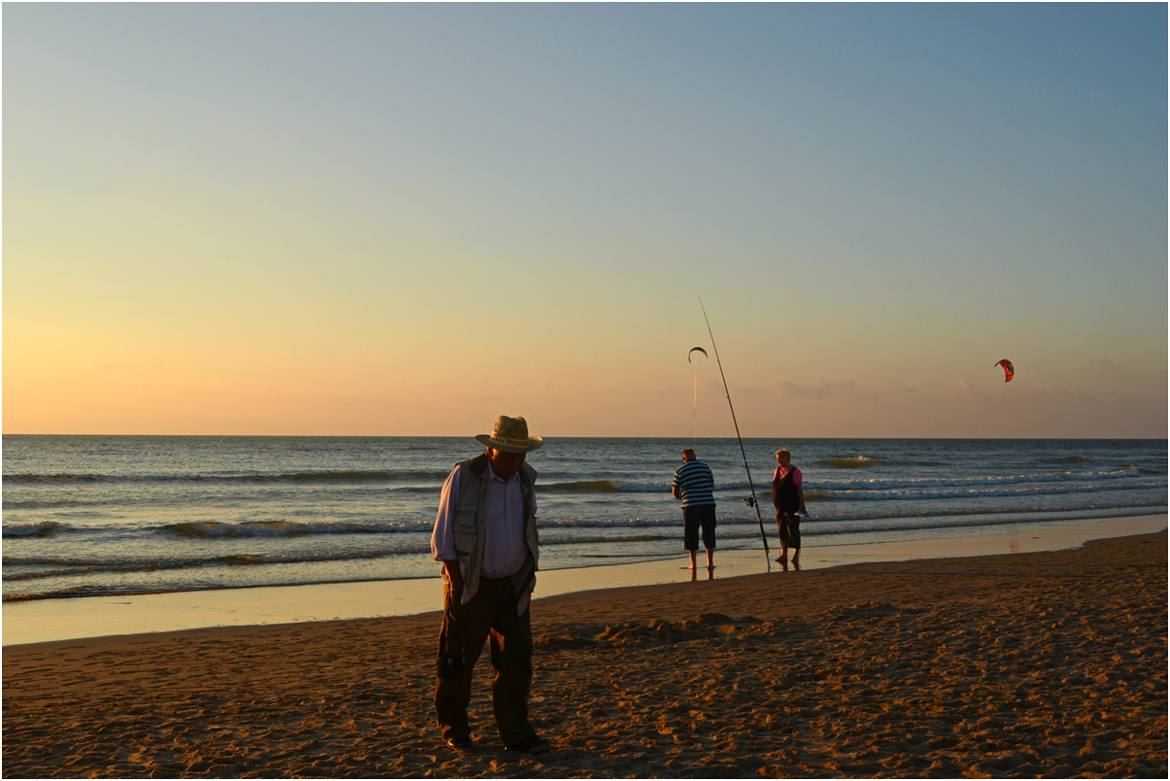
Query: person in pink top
788, 496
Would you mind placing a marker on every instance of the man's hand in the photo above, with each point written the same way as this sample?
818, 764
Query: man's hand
454, 576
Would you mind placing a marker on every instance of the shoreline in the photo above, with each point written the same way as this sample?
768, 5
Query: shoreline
1041, 664
42, 621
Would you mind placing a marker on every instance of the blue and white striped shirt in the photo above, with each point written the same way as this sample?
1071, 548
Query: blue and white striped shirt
694, 481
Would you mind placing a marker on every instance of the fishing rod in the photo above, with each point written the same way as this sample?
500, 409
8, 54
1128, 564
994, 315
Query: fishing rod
695, 413
754, 503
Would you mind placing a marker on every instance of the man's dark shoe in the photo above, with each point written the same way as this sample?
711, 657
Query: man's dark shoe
462, 744
533, 744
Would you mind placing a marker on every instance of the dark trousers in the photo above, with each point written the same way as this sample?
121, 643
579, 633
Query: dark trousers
490, 614
789, 526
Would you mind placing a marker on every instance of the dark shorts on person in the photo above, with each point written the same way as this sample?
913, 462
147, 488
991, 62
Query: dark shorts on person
693, 517
789, 526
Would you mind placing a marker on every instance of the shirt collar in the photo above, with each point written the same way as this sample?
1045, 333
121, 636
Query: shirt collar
491, 474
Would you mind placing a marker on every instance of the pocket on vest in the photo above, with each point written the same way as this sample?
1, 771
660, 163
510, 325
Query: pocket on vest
464, 532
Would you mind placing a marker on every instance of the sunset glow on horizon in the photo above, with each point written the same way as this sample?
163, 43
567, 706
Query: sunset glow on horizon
409, 219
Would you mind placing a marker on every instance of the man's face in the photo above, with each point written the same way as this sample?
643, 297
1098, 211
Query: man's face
505, 465
784, 460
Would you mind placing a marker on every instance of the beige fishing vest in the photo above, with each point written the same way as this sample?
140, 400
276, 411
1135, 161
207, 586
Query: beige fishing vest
470, 519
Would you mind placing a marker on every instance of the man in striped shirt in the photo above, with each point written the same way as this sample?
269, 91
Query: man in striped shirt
694, 483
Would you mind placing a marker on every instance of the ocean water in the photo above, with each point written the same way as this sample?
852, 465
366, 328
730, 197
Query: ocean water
102, 515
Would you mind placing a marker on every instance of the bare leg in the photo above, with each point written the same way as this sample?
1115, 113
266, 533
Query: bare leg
796, 558
783, 560
692, 560
710, 558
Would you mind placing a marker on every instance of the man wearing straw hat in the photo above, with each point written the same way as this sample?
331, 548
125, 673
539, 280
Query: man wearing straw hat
485, 538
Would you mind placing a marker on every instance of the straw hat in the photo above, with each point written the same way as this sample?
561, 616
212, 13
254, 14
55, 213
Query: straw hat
511, 436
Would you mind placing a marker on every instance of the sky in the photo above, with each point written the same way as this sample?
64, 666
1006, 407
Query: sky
408, 219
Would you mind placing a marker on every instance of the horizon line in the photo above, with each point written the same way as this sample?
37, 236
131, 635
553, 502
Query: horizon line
578, 436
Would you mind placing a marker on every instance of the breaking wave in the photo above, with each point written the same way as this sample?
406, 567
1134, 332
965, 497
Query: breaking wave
344, 476
603, 487
857, 462
43, 529
220, 529
53, 568
990, 481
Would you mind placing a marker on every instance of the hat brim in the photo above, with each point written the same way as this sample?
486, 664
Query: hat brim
486, 440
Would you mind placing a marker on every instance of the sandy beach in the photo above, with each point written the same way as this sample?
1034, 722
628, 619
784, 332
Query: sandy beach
1032, 664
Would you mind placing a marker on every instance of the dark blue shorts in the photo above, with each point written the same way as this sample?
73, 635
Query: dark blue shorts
694, 517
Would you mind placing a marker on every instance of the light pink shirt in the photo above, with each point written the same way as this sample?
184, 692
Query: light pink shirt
504, 547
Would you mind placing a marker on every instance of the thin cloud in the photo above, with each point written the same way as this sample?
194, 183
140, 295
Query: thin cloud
753, 391
1073, 394
818, 390
965, 390
849, 388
